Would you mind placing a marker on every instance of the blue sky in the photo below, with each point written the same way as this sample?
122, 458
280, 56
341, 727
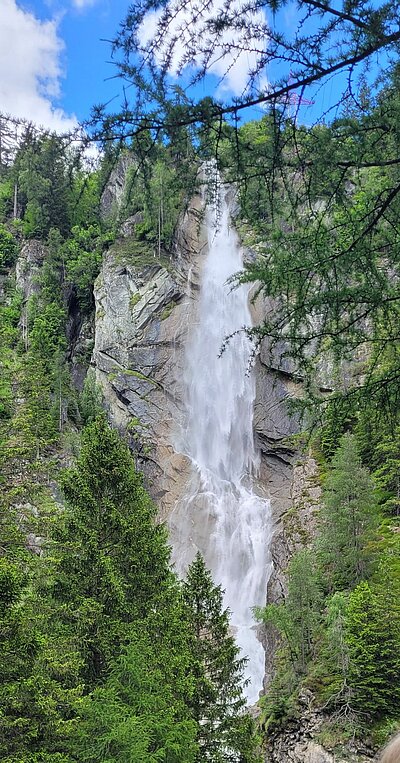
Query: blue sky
86, 56
55, 64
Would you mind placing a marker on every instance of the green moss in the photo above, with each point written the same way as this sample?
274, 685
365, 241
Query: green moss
134, 299
167, 311
133, 423
334, 734
138, 375
130, 251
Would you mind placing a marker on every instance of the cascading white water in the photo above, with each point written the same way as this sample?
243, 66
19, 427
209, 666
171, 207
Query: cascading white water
222, 516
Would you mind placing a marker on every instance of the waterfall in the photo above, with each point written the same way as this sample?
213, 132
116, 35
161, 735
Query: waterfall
222, 515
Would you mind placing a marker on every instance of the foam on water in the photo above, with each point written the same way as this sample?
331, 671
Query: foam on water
222, 515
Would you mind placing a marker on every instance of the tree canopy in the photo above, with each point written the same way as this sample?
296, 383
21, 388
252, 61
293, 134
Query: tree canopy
322, 201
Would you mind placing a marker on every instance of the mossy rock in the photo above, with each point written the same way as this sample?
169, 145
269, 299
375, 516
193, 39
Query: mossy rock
134, 299
139, 253
167, 311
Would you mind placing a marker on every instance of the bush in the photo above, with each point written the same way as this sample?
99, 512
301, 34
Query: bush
8, 248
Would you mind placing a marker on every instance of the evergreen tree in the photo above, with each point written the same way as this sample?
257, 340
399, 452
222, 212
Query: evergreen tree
8, 248
113, 557
41, 172
297, 618
387, 475
36, 695
140, 714
224, 731
330, 671
348, 518
90, 398
373, 640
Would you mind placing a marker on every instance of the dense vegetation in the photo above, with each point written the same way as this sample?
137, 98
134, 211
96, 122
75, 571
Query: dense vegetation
340, 622
104, 654
324, 223
102, 651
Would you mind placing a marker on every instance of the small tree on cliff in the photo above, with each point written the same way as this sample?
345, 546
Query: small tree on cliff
224, 731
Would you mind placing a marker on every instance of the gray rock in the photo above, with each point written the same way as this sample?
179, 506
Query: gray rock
296, 744
28, 266
113, 194
127, 228
141, 320
81, 348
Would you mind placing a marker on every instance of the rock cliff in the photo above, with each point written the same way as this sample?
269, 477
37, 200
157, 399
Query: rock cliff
144, 308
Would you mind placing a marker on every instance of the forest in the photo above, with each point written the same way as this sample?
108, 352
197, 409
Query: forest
105, 655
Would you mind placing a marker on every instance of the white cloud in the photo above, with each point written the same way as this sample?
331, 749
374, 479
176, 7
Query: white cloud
237, 49
81, 4
30, 68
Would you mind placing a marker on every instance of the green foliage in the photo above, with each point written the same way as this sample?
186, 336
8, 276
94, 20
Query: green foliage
157, 190
83, 254
322, 204
387, 474
40, 170
345, 647
280, 704
217, 703
373, 640
10, 310
338, 418
90, 401
329, 674
297, 618
113, 558
47, 332
8, 248
6, 198
348, 518
137, 716
34, 704
85, 197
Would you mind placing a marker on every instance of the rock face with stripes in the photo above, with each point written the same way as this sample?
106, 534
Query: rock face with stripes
209, 436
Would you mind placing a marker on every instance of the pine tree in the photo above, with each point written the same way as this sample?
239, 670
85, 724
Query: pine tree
387, 475
140, 714
36, 696
373, 640
298, 616
348, 518
112, 556
224, 731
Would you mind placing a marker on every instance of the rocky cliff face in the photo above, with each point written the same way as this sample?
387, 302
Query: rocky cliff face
144, 308
299, 741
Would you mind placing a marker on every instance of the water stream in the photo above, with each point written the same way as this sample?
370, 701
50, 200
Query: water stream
221, 514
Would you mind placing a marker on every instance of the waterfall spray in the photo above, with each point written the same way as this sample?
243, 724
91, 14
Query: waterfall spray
221, 515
